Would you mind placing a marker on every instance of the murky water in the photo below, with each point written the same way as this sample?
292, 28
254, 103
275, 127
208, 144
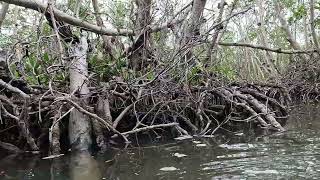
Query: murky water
294, 154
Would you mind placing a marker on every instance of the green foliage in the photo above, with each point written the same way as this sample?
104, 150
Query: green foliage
252, 35
288, 3
279, 38
317, 5
228, 36
298, 14
46, 29
226, 70
194, 74
118, 13
4, 40
35, 71
105, 68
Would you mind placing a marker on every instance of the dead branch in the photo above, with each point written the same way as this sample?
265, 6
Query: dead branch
276, 50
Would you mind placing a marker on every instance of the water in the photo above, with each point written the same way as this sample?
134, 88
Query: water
294, 154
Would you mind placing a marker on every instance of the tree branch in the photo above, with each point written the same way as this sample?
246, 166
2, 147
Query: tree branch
14, 89
61, 16
276, 50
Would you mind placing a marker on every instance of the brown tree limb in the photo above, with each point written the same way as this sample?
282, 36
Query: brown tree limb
284, 25
228, 18
276, 50
55, 28
261, 108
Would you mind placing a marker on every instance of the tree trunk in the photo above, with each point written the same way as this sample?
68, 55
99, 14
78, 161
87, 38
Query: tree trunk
141, 51
192, 29
3, 12
103, 111
294, 44
271, 67
107, 45
313, 25
213, 43
196, 19
54, 135
79, 124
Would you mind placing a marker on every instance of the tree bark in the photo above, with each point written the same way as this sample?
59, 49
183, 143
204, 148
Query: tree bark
107, 45
103, 111
213, 43
141, 52
3, 12
79, 124
54, 135
193, 28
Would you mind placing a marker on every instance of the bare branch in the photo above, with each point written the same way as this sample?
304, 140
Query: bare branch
14, 89
276, 50
118, 119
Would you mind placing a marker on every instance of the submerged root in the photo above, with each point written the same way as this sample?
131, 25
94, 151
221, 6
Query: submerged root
121, 110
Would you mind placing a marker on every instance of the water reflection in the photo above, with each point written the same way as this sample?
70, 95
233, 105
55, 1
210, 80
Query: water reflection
83, 167
290, 155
